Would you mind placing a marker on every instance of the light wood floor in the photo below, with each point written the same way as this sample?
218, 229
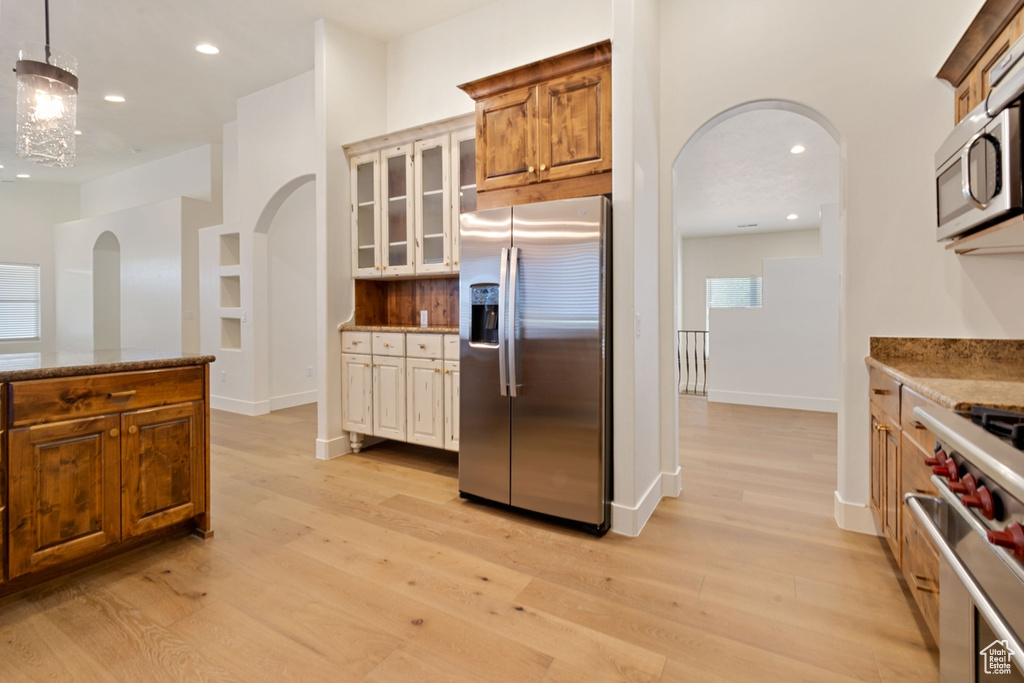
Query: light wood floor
370, 568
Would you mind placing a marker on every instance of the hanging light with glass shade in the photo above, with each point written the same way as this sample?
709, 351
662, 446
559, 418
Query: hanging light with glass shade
47, 102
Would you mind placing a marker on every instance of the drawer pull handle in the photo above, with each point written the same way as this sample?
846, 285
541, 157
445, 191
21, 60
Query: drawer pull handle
916, 425
133, 430
881, 392
121, 394
114, 432
882, 428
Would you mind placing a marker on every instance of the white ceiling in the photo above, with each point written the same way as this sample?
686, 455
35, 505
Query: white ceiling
178, 99
742, 172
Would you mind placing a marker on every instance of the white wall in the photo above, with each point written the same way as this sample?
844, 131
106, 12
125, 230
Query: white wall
423, 69
646, 458
195, 173
291, 262
158, 264
786, 353
733, 256
28, 212
351, 104
869, 68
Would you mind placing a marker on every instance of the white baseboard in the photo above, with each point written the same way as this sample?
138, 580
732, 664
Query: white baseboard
629, 521
292, 400
854, 517
328, 449
234, 405
824, 405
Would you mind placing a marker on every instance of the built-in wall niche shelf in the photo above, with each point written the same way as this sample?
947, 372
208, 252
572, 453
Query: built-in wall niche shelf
229, 249
230, 291
1002, 238
231, 334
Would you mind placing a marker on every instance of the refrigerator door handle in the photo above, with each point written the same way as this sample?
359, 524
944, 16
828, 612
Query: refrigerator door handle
502, 278
513, 285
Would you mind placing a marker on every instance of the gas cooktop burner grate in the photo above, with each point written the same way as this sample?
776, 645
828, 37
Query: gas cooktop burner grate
1003, 423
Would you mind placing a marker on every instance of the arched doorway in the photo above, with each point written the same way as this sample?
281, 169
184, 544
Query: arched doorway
756, 228
106, 292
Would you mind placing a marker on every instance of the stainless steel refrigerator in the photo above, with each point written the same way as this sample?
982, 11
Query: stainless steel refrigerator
535, 359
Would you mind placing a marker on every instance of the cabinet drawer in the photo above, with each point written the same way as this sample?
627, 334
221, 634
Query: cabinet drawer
451, 347
916, 474
921, 571
912, 427
355, 342
65, 398
423, 345
885, 392
388, 344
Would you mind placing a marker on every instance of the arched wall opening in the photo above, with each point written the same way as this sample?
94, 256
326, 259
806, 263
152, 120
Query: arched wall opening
749, 210
106, 292
285, 287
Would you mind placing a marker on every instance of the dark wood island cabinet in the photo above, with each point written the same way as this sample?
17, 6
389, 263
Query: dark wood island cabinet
100, 452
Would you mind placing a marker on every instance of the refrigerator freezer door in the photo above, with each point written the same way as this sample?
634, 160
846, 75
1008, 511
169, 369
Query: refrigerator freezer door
484, 439
558, 449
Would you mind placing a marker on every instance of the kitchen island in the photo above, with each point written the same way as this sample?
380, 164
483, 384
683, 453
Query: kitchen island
100, 452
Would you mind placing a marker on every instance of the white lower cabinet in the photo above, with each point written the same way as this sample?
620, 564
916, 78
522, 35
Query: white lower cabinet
407, 390
451, 405
425, 400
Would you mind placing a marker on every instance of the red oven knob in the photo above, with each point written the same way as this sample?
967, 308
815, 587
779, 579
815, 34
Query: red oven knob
1012, 537
937, 459
968, 485
981, 499
948, 469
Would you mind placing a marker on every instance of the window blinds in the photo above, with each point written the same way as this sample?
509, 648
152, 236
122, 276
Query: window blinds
733, 292
19, 301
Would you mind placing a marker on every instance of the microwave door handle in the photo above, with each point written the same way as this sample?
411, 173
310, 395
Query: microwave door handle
502, 279
965, 173
978, 597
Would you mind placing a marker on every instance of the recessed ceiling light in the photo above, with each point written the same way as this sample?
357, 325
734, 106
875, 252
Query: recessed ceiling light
1, 165
207, 49
78, 132
797, 149
23, 175
114, 98
792, 217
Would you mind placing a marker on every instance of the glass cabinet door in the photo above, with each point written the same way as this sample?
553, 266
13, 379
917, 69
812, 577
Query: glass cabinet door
433, 208
397, 240
464, 183
366, 259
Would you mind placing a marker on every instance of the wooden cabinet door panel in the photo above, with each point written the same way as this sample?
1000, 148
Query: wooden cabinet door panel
161, 478
425, 396
389, 397
506, 150
64, 482
877, 467
892, 496
451, 405
357, 393
575, 124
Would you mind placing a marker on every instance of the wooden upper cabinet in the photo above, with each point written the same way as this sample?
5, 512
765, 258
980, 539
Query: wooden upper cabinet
543, 131
995, 28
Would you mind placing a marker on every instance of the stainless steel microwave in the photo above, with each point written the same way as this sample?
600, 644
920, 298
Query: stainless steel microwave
978, 172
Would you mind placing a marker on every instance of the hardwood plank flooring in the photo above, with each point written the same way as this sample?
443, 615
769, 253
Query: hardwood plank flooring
371, 568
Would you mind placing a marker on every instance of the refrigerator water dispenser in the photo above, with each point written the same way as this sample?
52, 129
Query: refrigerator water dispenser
484, 320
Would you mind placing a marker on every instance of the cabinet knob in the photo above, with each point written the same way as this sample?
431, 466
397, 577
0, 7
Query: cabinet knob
882, 428
530, 169
133, 430
114, 432
423, 346
366, 365
437, 369
543, 167
446, 371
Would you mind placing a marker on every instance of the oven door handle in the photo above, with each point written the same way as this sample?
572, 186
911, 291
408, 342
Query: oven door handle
981, 601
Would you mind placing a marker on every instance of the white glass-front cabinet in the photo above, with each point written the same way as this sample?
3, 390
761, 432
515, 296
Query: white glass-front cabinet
397, 199
433, 206
366, 253
407, 200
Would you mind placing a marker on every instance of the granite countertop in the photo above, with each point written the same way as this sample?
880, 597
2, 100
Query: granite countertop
956, 373
433, 329
21, 366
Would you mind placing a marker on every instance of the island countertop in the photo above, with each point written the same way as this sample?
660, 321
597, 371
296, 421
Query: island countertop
23, 366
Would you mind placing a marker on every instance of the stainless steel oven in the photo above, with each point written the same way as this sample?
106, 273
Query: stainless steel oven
976, 524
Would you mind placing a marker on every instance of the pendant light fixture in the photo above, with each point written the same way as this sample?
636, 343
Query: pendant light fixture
47, 102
